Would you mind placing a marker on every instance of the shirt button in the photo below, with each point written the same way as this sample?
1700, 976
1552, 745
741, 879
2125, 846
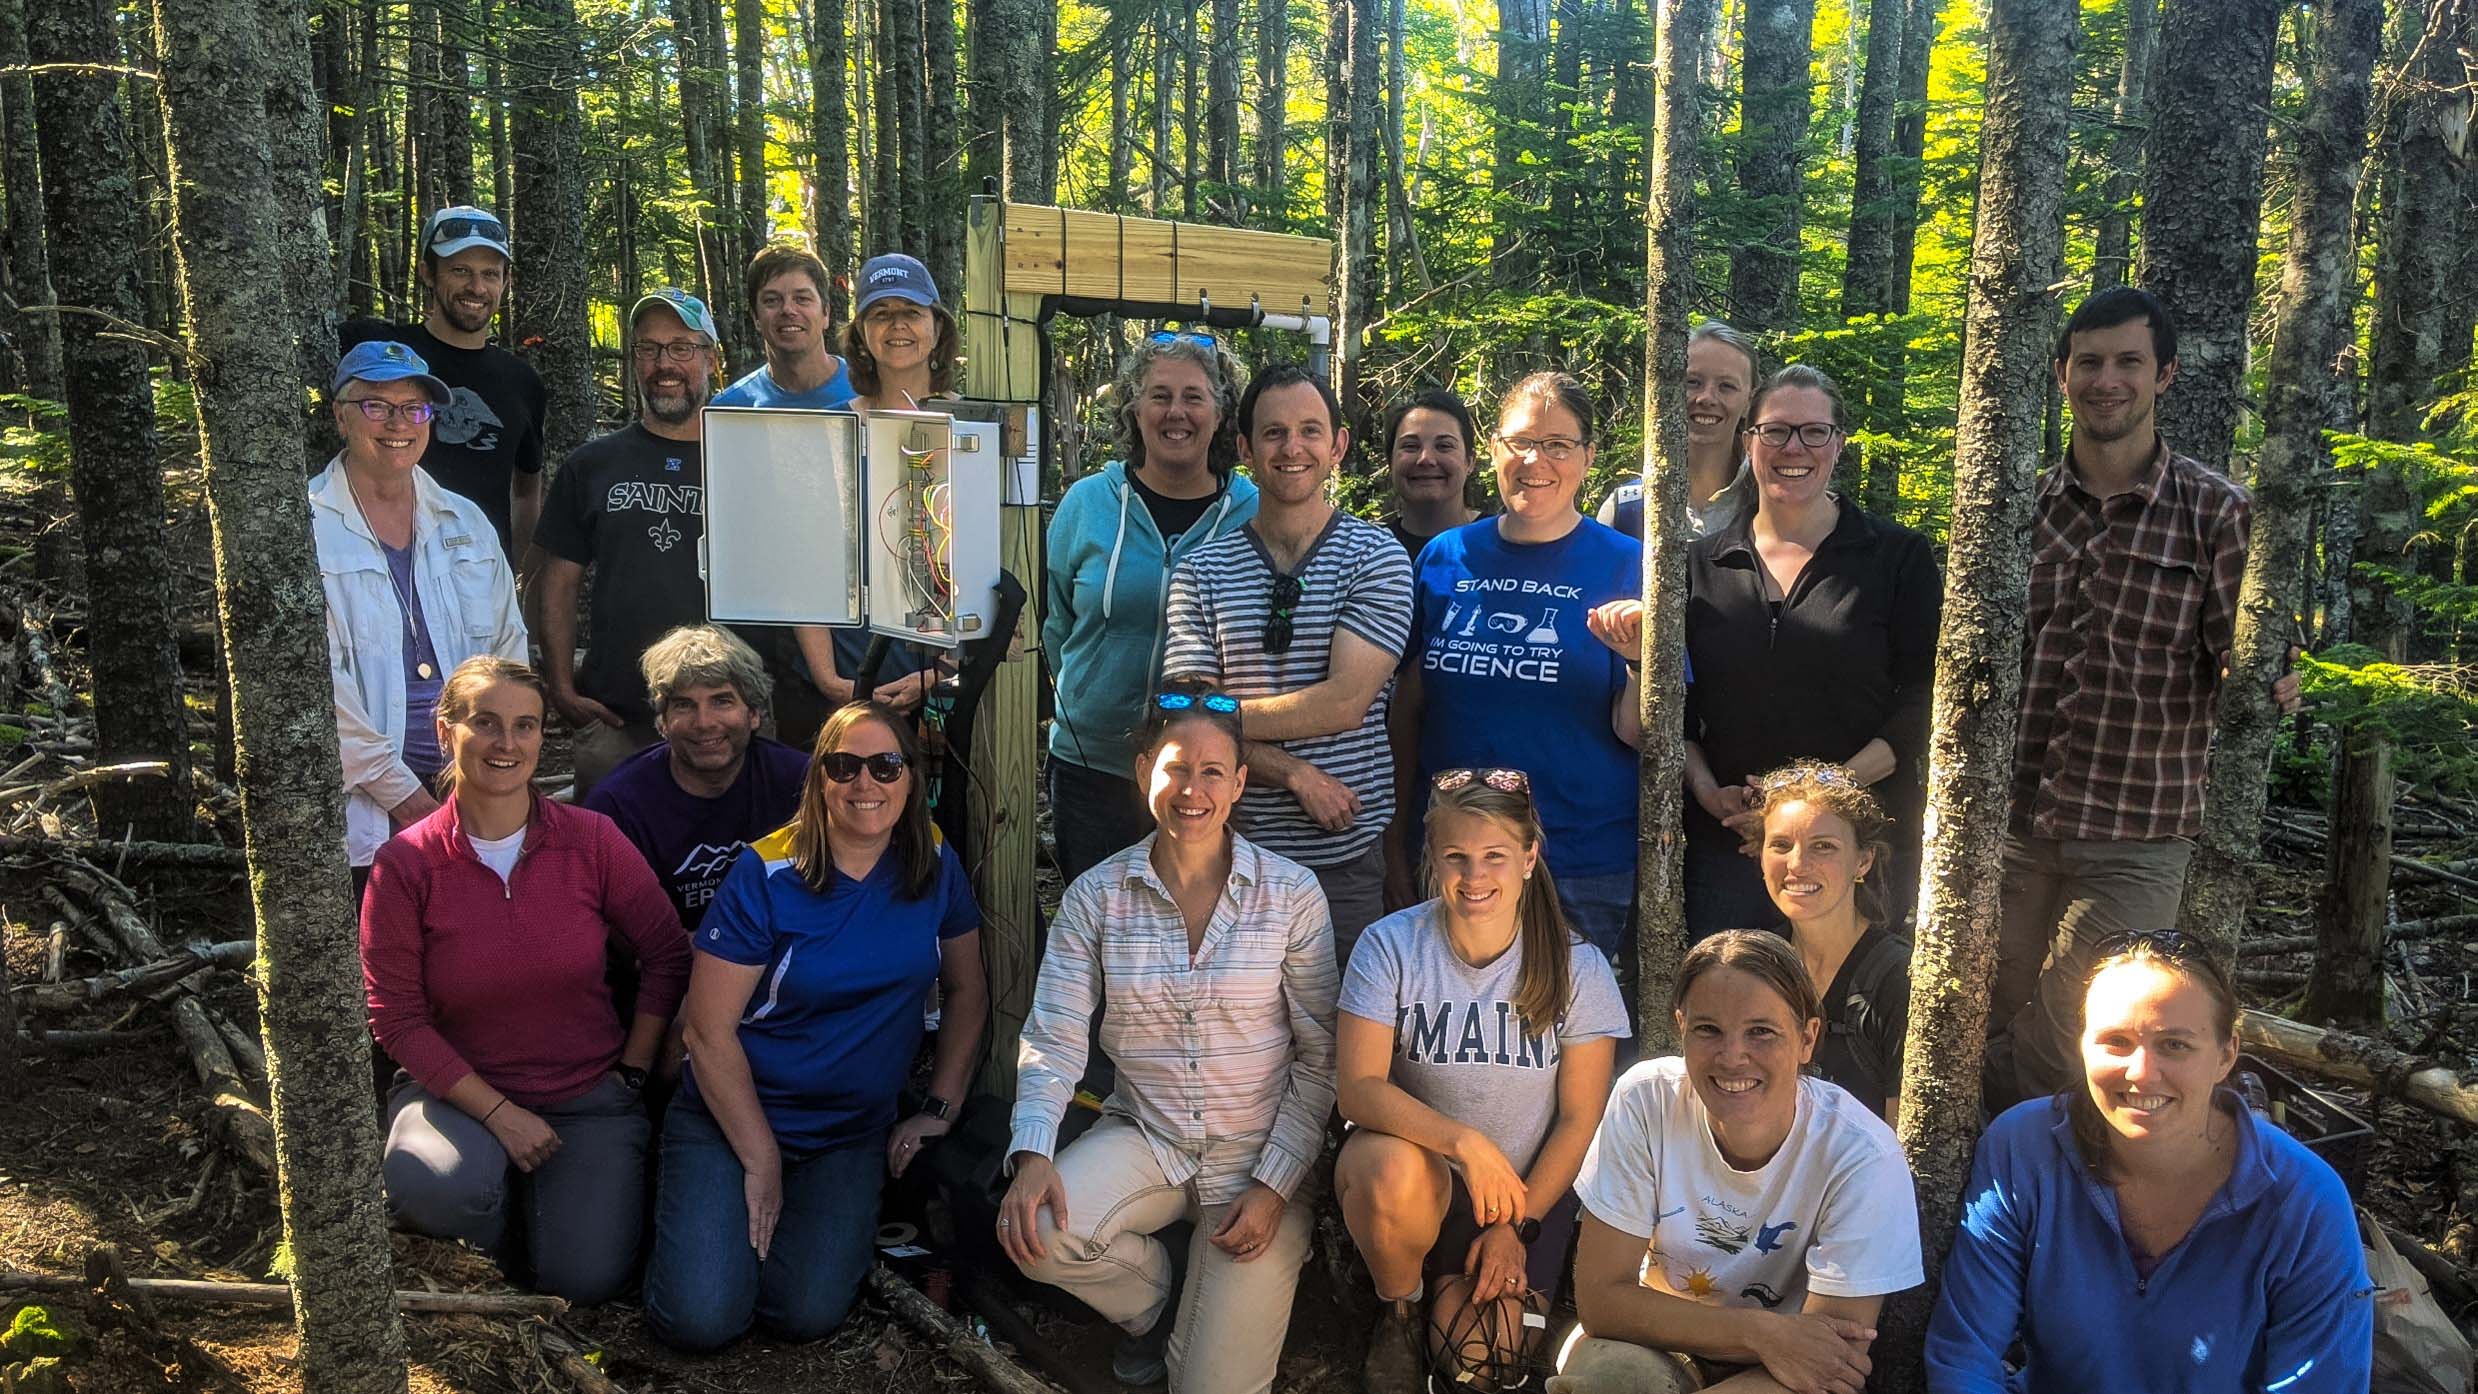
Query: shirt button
1197, 1114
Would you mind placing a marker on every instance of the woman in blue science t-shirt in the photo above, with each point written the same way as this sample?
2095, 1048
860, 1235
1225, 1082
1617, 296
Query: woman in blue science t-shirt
803, 1015
1504, 673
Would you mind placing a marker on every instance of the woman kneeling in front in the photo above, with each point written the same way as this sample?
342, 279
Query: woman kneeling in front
803, 1015
1213, 965
1743, 1222
1476, 1042
2143, 1229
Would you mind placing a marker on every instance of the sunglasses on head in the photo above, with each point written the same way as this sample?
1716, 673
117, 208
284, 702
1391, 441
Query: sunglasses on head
1286, 593
1829, 776
1503, 781
1223, 703
2166, 943
459, 228
843, 766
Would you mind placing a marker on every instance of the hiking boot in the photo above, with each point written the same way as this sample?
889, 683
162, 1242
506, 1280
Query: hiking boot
1394, 1365
1145, 1359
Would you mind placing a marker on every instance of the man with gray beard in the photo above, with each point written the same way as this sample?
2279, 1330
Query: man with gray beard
629, 506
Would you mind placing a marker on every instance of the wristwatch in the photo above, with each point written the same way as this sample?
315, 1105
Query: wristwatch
937, 1108
631, 1076
1527, 1231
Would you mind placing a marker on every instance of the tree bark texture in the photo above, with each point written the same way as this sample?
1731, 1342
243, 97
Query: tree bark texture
296, 139
547, 303
830, 125
1919, 30
749, 128
1273, 47
1522, 108
34, 352
1867, 278
1684, 28
1031, 28
2129, 121
455, 114
272, 610
2426, 227
1774, 104
2017, 253
89, 178
2306, 393
1222, 97
904, 75
944, 119
2202, 207
1356, 253
886, 191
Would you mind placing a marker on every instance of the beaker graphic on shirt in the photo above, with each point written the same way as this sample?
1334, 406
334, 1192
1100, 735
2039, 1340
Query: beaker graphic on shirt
1544, 632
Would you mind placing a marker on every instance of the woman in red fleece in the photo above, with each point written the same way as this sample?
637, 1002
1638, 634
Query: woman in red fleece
516, 1124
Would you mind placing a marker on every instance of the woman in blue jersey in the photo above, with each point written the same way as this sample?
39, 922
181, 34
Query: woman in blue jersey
1115, 539
1505, 674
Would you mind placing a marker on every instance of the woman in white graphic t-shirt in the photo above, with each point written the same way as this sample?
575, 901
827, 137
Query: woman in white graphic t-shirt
1743, 1221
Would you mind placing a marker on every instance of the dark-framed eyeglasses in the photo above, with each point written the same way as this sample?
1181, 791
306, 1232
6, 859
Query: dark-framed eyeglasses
1219, 702
677, 350
378, 409
1286, 593
1185, 336
1502, 780
1815, 435
843, 766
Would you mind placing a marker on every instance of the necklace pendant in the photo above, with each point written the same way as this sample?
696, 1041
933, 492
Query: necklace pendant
421, 670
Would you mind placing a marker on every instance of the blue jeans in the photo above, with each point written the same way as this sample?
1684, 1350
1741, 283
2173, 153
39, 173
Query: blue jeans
1725, 890
1602, 910
705, 1285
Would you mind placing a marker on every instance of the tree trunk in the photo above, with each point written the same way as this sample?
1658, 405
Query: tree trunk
1684, 28
455, 149
1356, 253
502, 164
749, 131
1165, 69
2306, 395
1522, 106
2423, 237
886, 197
1919, 30
271, 607
1775, 97
1401, 243
1191, 127
830, 119
2202, 207
1273, 48
1031, 27
1222, 98
36, 337
2125, 144
424, 189
1122, 146
1867, 278
89, 185
941, 194
296, 139
548, 302
2017, 256
904, 75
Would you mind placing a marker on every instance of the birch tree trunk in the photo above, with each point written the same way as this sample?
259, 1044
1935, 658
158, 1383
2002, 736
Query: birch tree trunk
547, 302
2017, 254
2307, 394
1684, 28
1775, 100
29, 280
2202, 207
2125, 144
89, 184
272, 612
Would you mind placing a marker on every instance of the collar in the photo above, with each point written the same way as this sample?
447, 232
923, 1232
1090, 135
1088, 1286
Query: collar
333, 489
2147, 486
2248, 1180
1246, 864
1851, 528
541, 826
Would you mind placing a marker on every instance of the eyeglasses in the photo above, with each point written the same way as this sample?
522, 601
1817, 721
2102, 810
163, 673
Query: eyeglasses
1185, 336
1557, 450
843, 766
1221, 702
676, 350
1286, 593
1503, 781
1814, 435
375, 409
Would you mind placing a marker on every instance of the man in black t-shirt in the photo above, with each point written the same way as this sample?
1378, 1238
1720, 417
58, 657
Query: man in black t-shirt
630, 506
486, 444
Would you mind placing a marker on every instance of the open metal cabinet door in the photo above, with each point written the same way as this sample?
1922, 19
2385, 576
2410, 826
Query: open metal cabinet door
784, 516
931, 532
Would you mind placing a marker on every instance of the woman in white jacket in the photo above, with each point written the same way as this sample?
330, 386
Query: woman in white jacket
415, 584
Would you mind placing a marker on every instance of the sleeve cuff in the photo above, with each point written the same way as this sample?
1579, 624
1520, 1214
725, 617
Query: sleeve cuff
1279, 1170
1031, 1135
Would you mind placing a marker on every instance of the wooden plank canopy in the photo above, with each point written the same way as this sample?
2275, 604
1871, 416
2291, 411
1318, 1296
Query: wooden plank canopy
1147, 261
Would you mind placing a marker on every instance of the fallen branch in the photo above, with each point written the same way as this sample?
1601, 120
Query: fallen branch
494, 1304
2451, 1282
86, 779
184, 856
146, 978
2406, 931
985, 1361
2358, 1060
75, 1042
48, 685
571, 1361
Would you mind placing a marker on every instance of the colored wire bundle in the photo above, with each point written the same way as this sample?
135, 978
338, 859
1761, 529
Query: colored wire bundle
916, 526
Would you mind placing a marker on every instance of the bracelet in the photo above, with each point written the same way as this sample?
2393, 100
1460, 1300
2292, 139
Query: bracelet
494, 1108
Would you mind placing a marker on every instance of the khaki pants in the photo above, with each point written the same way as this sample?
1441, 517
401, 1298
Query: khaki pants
1233, 1316
596, 750
2063, 898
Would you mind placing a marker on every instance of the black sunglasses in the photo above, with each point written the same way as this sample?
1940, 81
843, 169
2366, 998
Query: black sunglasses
1286, 592
1221, 702
457, 229
843, 766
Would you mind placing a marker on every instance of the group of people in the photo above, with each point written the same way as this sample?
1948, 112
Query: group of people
1347, 815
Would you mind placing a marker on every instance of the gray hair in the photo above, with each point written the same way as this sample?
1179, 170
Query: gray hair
1220, 370
702, 655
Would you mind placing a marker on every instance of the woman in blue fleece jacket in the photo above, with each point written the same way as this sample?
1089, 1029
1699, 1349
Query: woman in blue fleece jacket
1113, 543
2145, 1231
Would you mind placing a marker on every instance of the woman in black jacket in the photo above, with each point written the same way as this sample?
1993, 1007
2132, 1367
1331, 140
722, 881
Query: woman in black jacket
1811, 630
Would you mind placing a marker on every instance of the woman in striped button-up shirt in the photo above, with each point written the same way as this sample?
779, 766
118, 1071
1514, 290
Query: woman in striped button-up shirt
1216, 963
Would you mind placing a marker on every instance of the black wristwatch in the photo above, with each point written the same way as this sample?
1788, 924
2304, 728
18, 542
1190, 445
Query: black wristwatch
1527, 1231
937, 1108
631, 1076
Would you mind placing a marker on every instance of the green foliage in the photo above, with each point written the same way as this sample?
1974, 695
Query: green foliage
35, 438
37, 1330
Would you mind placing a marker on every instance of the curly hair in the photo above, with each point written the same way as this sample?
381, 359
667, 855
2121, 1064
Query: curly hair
1221, 372
1836, 790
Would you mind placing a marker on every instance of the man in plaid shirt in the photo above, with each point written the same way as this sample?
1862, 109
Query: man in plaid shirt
2137, 553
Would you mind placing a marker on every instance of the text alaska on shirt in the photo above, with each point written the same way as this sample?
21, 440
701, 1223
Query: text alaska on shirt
1424, 1031
1523, 642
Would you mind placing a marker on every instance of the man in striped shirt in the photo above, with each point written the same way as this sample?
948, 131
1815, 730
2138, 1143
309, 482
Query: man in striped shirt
1303, 615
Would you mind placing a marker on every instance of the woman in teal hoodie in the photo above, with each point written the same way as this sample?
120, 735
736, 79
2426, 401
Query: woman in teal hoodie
1113, 543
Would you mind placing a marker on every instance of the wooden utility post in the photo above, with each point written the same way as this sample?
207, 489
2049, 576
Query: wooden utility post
1024, 263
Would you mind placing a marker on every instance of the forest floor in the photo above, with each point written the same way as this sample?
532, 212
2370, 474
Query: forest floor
116, 1146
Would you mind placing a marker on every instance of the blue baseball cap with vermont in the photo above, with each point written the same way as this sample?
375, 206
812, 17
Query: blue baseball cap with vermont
385, 360
898, 276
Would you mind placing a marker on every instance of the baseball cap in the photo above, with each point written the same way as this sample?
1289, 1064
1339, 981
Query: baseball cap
452, 230
385, 360
898, 276
691, 310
